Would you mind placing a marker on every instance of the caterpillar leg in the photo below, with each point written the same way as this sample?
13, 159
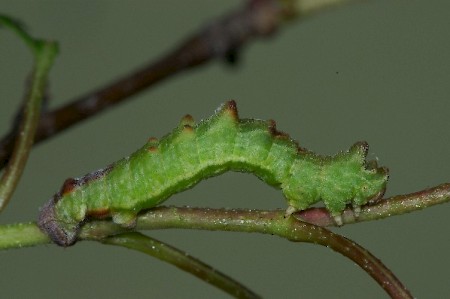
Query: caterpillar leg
356, 209
338, 219
378, 197
289, 211
125, 218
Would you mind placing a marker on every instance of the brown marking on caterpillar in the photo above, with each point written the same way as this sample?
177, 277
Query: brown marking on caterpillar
68, 186
274, 132
71, 184
95, 175
152, 149
187, 120
230, 107
99, 213
284, 136
152, 140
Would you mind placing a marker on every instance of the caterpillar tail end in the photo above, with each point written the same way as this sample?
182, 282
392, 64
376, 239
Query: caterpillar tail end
48, 223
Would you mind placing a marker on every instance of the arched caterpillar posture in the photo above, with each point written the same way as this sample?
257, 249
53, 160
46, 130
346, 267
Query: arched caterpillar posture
193, 152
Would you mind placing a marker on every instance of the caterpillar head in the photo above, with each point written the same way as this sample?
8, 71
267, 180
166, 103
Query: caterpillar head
371, 184
63, 234
348, 179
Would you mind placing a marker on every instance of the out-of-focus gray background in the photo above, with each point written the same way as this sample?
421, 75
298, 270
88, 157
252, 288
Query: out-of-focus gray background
377, 71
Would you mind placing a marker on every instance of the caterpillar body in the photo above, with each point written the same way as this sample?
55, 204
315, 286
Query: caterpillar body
193, 152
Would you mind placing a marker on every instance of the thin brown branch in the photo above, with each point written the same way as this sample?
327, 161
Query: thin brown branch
217, 40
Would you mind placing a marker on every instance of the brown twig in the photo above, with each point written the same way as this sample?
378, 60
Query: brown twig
217, 40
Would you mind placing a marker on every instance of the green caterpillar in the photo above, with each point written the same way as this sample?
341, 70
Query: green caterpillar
193, 152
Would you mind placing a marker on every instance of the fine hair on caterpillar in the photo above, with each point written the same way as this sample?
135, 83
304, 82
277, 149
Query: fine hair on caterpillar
193, 152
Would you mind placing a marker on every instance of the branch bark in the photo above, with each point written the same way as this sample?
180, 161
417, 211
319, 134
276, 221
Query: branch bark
220, 40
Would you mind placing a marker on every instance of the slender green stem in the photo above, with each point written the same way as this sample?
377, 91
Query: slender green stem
15, 26
20, 235
44, 54
163, 217
396, 205
266, 222
269, 222
182, 260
